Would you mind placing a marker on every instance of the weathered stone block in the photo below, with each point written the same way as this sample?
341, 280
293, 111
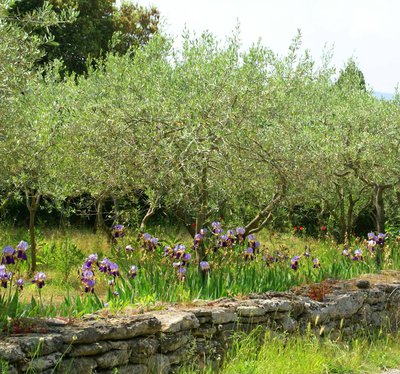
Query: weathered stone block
175, 321
42, 363
171, 342
159, 364
221, 316
112, 359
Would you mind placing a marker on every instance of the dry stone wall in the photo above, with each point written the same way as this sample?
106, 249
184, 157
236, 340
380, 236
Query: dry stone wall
163, 341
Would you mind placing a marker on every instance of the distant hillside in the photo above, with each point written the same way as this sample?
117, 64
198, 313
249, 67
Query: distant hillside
384, 95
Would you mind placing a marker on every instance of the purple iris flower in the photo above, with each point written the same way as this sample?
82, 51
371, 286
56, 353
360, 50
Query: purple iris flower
223, 241
129, 249
20, 284
21, 250
8, 255
118, 231
104, 264
216, 228
371, 245
371, 236
91, 259
5, 276
203, 232
89, 285
294, 263
358, 255
39, 279
113, 269
168, 251
346, 253
133, 271
204, 266
198, 238
240, 230
316, 264
381, 238
146, 237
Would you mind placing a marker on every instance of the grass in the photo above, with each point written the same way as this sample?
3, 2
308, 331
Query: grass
283, 354
61, 255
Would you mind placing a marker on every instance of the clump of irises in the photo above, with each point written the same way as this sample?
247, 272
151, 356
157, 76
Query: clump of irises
105, 266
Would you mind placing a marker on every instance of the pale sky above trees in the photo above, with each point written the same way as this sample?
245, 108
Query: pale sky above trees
367, 30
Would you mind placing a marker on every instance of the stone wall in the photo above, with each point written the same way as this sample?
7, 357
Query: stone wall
162, 341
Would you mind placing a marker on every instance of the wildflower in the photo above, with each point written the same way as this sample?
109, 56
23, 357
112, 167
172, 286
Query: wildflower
39, 279
223, 241
240, 231
204, 266
182, 273
115, 293
358, 255
316, 264
118, 231
21, 250
203, 232
129, 249
113, 269
103, 266
5, 276
301, 228
371, 236
179, 250
346, 253
91, 259
198, 238
252, 242
249, 253
294, 263
133, 271
168, 251
381, 238
371, 245
8, 255
186, 258
323, 228
20, 283
216, 228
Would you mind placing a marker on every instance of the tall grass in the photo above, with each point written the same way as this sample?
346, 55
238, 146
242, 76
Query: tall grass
61, 257
283, 354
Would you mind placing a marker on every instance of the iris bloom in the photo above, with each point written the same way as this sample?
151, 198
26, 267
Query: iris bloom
39, 279
346, 253
204, 266
294, 263
5, 276
91, 259
358, 255
133, 271
118, 231
88, 280
129, 249
21, 250
198, 238
20, 284
8, 255
216, 228
249, 253
240, 231
316, 264
381, 238
371, 245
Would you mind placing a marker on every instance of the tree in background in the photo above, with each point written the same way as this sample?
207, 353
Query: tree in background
90, 36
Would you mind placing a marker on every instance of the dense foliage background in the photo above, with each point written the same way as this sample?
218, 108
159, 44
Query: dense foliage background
104, 120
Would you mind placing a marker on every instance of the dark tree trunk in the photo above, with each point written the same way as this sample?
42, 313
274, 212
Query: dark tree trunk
32, 203
379, 208
100, 225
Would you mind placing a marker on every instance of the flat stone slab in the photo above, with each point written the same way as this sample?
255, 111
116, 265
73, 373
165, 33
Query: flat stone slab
174, 321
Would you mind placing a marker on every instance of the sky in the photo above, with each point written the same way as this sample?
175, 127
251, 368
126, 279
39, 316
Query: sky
367, 30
